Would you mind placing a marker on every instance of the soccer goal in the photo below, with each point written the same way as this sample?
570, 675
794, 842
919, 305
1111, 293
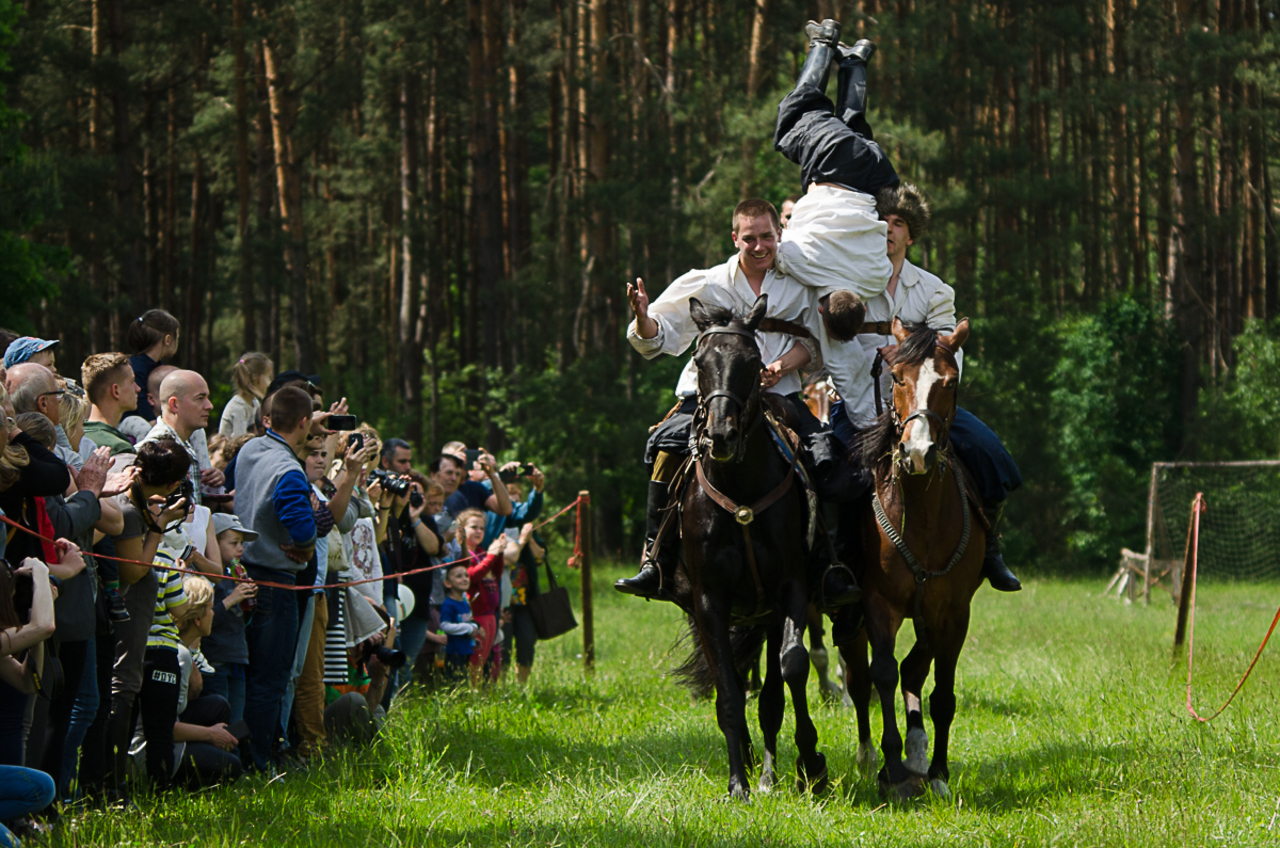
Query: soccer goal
1239, 530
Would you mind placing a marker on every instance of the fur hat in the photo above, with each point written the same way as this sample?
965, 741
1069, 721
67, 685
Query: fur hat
908, 203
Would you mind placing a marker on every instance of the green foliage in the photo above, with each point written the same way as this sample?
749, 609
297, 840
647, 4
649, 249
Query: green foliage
26, 193
1241, 418
1113, 390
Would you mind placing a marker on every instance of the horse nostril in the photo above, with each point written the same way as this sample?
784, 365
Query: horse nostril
930, 455
731, 434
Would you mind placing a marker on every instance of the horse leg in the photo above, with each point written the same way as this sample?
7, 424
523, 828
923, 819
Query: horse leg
713, 622
942, 702
858, 680
793, 661
818, 655
771, 707
915, 668
882, 627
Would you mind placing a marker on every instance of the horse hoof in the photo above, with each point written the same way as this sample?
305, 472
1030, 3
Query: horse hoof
917, 761
740, 793
868, 760
940, 788
812, 779
912, 787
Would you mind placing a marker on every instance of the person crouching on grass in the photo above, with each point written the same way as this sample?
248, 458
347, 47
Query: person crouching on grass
485, 572
456, 624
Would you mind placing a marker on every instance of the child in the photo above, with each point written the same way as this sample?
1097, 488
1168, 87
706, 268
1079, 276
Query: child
225, 647
485, 572
251, 376
153, 337
456, 622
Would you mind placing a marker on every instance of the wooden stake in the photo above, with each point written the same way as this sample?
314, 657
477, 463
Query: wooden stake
584, 564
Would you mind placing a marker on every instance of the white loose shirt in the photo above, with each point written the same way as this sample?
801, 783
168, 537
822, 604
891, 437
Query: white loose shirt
920, 297
726, 286
836, 240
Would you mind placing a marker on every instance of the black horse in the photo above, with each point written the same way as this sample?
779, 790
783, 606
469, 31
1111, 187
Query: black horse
744, 528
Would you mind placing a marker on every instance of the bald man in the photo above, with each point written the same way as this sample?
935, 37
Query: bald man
184, 413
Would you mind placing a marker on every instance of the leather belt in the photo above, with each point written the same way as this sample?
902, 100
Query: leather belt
876, 328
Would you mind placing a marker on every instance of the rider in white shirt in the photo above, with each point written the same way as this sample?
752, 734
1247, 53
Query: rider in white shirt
665, 326
918, 297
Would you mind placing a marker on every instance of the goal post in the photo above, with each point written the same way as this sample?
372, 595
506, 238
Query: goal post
1239, 531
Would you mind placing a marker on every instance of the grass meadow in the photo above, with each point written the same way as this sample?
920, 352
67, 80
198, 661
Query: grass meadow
1070, 730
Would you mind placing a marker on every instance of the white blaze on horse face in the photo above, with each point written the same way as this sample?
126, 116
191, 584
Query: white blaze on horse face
920, 438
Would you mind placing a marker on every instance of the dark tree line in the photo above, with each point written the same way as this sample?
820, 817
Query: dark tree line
435, 203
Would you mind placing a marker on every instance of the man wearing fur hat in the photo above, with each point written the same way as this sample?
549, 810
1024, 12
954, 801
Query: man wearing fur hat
916, 296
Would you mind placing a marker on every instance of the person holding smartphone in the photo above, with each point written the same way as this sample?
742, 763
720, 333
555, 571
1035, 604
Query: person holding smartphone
484, 488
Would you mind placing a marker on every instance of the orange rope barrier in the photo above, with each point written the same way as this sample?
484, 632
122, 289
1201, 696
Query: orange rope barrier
293, 587
1198, 507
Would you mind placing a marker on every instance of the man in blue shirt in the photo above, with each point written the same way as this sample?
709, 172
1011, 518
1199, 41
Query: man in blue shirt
274, 498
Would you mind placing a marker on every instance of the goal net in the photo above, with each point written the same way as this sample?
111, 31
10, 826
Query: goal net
1240, 528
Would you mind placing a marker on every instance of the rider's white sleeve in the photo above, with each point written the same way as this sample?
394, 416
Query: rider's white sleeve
670, 311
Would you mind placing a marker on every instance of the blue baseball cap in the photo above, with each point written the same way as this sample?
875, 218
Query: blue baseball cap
20, 350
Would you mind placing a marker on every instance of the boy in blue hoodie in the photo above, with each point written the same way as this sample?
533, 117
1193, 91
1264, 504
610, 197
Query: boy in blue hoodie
456, 623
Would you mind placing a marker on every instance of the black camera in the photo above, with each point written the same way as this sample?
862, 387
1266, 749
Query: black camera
415, 499
184, 490
525, 470
393, 483
389, 657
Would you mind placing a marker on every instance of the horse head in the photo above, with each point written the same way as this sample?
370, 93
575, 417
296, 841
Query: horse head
925, 378
728, 361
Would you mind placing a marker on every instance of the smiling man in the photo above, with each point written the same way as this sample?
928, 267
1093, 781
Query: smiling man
665, 326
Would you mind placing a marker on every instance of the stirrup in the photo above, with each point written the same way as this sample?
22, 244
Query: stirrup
830, 605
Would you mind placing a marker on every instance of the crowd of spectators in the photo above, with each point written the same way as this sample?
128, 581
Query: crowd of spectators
180, 608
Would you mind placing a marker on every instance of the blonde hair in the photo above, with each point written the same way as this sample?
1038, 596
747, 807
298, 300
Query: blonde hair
73, 406
14, 458
462, 519
247, 374
199, 596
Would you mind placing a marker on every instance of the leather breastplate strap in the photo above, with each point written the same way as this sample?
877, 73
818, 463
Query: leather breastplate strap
876, 328
744, 515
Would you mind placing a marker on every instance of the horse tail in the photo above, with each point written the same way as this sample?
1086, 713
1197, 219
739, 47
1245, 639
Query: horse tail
700, 678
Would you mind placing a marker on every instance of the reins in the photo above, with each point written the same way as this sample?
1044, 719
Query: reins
918, 571
744, 515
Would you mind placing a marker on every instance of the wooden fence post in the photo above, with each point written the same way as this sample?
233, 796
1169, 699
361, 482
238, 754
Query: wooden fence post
588, 612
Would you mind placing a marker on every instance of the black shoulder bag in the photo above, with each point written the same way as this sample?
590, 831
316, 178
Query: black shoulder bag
552, 615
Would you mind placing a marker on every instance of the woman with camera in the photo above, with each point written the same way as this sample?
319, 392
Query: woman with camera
154, 504
412, 538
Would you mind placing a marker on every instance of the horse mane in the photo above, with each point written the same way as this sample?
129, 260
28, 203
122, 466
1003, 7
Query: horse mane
721, 316
874, 445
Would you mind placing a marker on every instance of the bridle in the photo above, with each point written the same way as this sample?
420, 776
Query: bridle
743, 406
900, 424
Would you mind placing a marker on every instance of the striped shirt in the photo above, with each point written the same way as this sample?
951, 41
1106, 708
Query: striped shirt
169, 595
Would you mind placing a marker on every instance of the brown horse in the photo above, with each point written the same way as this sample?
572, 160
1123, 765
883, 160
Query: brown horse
924, 560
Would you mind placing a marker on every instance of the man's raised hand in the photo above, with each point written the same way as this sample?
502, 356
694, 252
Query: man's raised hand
646, 327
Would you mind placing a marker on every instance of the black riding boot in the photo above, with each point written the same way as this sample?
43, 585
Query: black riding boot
656, 565
851, 86
993, 567
823, 38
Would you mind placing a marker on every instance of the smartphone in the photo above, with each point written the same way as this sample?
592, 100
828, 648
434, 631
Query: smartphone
240, 730
473, 456
355, 442
342, 422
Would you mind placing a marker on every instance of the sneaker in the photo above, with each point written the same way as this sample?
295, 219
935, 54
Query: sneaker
116, 609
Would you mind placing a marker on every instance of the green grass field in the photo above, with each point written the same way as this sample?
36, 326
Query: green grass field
1070, 731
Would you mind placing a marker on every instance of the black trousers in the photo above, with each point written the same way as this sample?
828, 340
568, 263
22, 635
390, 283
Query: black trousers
52, 721
834, 479
204, 764
827, 151
158, 706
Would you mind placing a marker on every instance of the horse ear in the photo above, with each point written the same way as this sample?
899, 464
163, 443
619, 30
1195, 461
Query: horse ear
698, 312
757, 312
899, 330
958, 336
